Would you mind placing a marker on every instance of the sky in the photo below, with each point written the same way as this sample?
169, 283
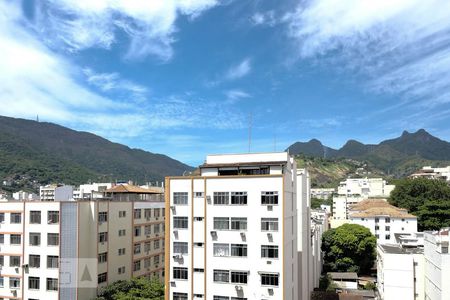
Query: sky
189, 78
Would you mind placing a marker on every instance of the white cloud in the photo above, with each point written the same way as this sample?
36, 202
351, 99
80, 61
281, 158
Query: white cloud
401, 46
36, 81
235, 95
239, 70
264, 18
83, 24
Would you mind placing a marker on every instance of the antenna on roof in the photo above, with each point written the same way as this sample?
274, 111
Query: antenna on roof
249, 132
37, 118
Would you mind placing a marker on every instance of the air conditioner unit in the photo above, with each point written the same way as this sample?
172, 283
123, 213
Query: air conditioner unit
213, 233
238, 287
208, 198
50, 222
178, 256
14, 292
269, 235
270, 290
242, 234
269, 207
25, 266
269, 262
172, 207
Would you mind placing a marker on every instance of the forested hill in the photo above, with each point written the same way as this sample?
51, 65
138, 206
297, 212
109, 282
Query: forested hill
398, 157
43, 153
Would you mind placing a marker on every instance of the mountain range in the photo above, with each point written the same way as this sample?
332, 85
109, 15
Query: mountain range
42, 153
399, 156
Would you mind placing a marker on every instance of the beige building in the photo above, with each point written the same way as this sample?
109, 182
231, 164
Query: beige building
71, 249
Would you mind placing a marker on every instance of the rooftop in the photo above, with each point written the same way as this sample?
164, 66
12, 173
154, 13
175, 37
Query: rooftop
397, 249
127, 188
343, 275
378, 207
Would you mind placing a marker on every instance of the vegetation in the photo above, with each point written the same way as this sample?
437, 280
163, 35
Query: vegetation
348, 248
428, 199
326, 284
140, 288
42, 153
370, 286
316, 202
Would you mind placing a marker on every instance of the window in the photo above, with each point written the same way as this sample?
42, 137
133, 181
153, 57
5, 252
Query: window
269, 279
387, 220
14, 261
180, 296
137, 249
137, 231
15, 239
52, 217
2, 218
137, 266
35, 217
52, 239
121, 251
199, 270
156, 244
102, 217
2, 238
221, 249
2, 283
377, 220
269, 251
103, 237
121, 270
156, 212
52, 262
148, 229
148, 213
122, 232
377, 227
156, 259
35, 238
137, 213
387, 228
199, 194
221, 223
387, 236
52, 284
14, 282
239, 198
33, 283
269, 224
377, 236
180, 222
16, 218
180, 198
103, 277
221, 276
180, 273
239, 250
34, 261
156, 228
147, 247
221, 297
239, 223
239, 277
2, 260
221, 198
103, 257
269, 198
122, 213
147, 262
180, 247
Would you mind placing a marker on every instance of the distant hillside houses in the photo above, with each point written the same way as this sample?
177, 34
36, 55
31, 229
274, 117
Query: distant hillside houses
433, 173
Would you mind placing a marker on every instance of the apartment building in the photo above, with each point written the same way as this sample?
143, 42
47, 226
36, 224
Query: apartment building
352, 191
322, 193
56, 192
91, 191
71, 249
433, 173
383, 219
231, 231
400, 272
437, 265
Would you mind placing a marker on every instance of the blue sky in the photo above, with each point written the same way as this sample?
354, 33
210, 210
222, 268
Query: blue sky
185, 78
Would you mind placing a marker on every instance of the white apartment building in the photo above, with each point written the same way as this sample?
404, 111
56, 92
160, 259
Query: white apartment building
231, 231
400, 272
319, 224
70, 249
437, 265
433, 173
56, 192
91, 191
354, 190
383, 219
322, 193
22, 195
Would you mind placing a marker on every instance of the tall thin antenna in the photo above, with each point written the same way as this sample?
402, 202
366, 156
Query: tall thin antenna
249, 132
37, 118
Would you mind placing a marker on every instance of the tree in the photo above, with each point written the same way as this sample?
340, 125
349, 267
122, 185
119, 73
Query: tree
348, 248
428, 199
141, 288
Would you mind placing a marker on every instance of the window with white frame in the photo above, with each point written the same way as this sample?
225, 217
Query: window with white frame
137, 266
180, 247
33, 283
103, 257
35, 217
122, 232
102, 277
14, 282
52, 284
221, 223
221, 276
102, 217
2, 218
180, 296
221, 198
180, 273
34, 261
103, 237
35, 239
180, 198
239, 250
15, 239
52, 239
14, 261
269, 251
15, 218
52, 262
220, 249
137, 213
239, 198
239, 277
53, 217
180, 222
269, 224
269, 198
137, 248
269, 279
238, 223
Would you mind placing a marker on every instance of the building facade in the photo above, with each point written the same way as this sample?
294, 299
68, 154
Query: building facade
231, 232
433, 173
71, 249
56, 192
437, 265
